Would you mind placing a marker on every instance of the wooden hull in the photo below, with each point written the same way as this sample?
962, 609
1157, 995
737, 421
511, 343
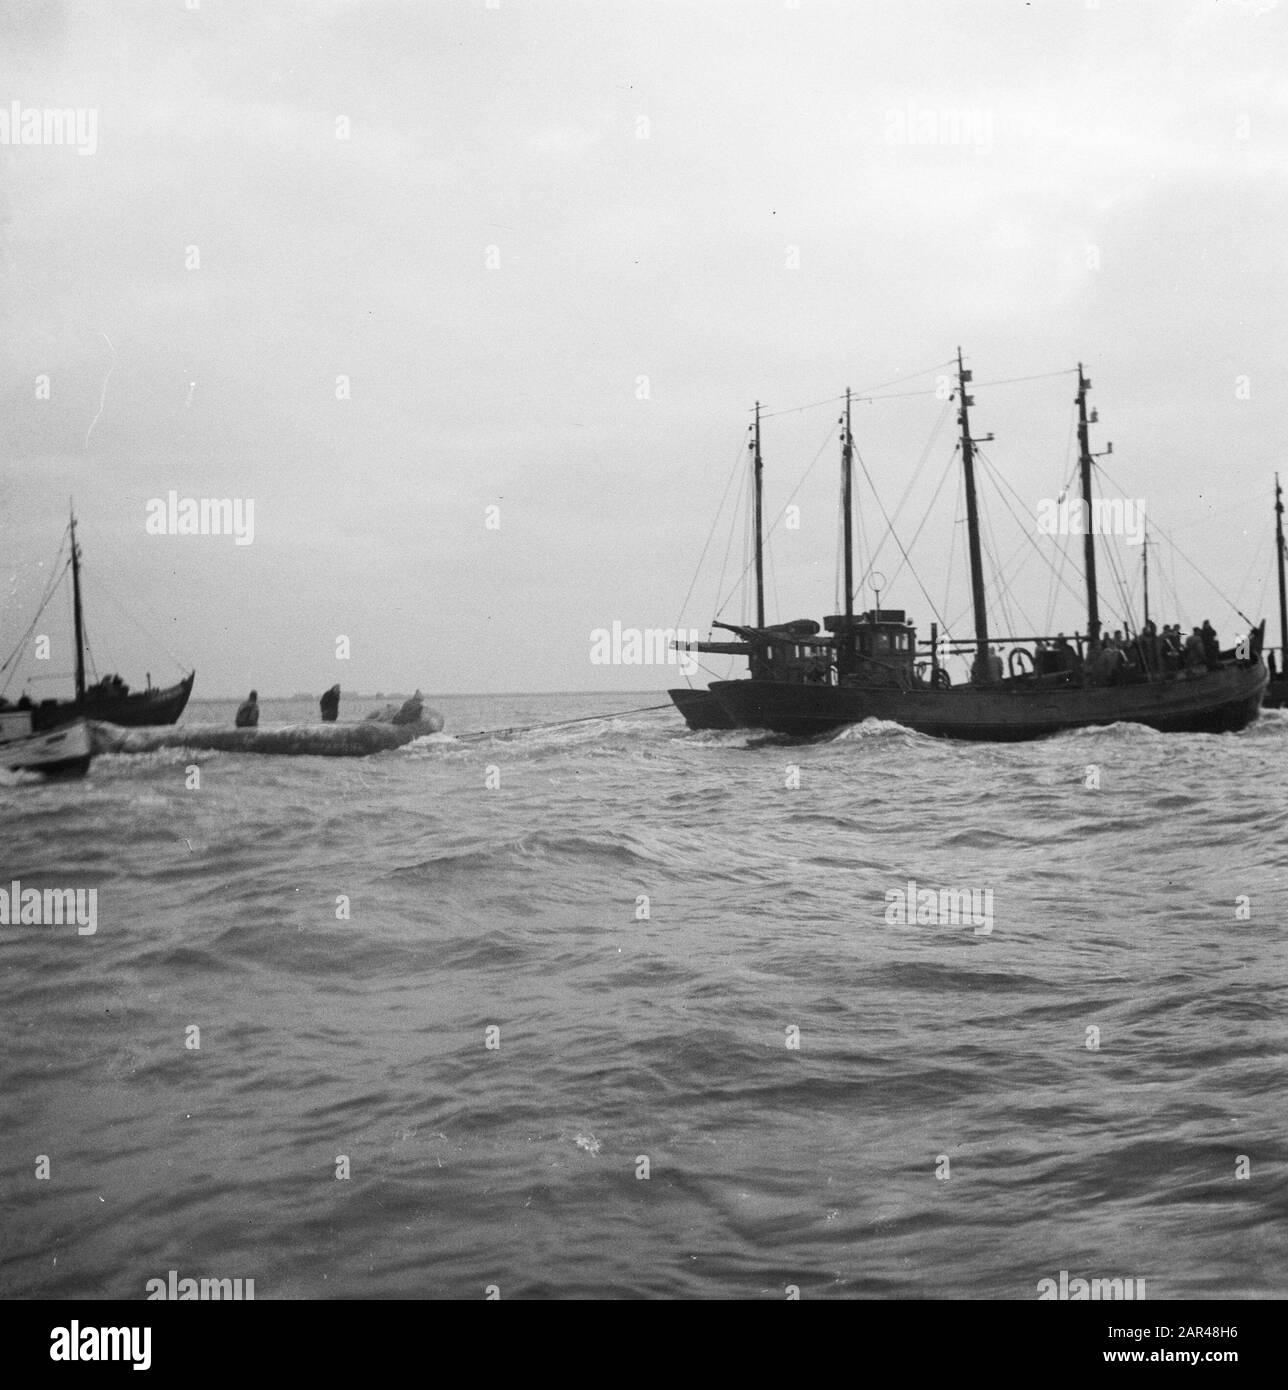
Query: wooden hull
1211, 702
139, 709
1276, 693
701, 709
62, 752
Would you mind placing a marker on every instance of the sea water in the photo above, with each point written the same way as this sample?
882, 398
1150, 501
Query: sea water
616, 1009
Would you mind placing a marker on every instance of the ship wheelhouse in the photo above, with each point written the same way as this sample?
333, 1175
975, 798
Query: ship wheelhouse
798, 661
878, 647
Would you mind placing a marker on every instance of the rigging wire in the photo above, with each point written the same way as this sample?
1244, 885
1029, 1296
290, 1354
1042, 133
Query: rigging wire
51, 587
1170, 579
1063, 549
952, 532
1178, 551
748, 521
864, 395
1124, 612
838, 563
733, 526
1012, 380
998, 478
105, 590
1048, 616
907, 492
1002, 592
101, 587
868, 393
863, 547
926, 517
1004, 595
783, 510
714, 523
912, 569
975, 385
1255, 564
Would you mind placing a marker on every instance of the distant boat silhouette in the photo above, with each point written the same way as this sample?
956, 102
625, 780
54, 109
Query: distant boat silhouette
108, 699
774, 652
1277, 690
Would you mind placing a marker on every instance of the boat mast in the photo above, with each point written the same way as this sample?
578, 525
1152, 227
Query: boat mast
980, 668
78, 616
1088, 539
758, 474
1144, 560
847, 459
1283, 602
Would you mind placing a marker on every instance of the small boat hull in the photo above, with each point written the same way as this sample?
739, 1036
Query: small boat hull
1222, 701
701, 709
61, 752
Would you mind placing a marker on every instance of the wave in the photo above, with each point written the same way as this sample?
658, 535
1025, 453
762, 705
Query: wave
881, 729
1123, 730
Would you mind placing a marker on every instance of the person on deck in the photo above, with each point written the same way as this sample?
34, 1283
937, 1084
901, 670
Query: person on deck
329, 704
411, 710
986, 670
1109, 663
1047, 660
248, 712
1211, 647
1171, 647
1194, 654
1068, 657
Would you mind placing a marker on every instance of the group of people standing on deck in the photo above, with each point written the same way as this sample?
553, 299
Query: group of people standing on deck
1168, 651
1119, 659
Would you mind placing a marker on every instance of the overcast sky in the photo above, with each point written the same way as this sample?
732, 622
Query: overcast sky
558, 250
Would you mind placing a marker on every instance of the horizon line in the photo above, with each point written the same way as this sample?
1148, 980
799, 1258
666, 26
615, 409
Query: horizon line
441, 695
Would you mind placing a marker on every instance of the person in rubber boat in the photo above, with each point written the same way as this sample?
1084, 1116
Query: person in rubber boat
330, 705
248, 713
411, 710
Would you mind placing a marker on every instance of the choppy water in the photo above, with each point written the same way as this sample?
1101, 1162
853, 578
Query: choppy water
623, 1038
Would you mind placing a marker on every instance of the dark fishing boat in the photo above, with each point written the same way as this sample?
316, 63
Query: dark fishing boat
876, 673
789, 652
108, 699
700, 708
1277, 691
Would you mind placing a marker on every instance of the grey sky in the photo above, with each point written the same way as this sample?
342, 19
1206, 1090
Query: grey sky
722, 198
